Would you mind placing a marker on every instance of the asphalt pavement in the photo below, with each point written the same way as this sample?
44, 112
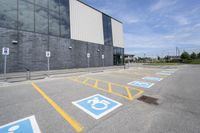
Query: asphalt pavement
64, 104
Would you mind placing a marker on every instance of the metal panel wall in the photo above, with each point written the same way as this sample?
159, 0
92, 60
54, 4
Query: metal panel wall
117, 31
86, 23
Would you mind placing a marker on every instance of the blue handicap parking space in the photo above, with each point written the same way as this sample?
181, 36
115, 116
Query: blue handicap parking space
141, 84
152, 78
26, 125
163, 73
97, 105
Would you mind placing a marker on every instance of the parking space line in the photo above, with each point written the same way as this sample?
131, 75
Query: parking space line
70, 120
129, 93
109, 88
96, 83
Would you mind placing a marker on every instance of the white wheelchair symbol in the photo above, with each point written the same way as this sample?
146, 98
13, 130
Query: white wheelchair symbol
142, 84
13, 129
96, 101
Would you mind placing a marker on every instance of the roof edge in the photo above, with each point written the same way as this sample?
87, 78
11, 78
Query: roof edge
99, 11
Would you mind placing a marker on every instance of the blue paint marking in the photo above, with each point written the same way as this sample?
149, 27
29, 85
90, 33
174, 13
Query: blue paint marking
27, 125
152, 78
97, 105
141, 84
20, 127
162, 73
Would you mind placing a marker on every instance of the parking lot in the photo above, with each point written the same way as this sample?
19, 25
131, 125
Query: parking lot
139, 99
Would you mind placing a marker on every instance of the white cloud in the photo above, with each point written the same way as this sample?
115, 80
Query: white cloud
197, 25
160, 4
153, 42
181, 20
129, 19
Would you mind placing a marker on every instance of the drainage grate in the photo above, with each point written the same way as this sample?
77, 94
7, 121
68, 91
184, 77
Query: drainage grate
149, 100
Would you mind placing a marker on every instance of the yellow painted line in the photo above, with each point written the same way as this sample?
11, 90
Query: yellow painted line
96, 84
109, 90
129, 93
139, 92
109, 87
70, 120
85, 81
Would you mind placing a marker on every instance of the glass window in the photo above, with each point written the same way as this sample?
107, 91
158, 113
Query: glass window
30, 1
54, 5
41, 20
107, 28
64, 23
8, 13
26, 16
64, 6
54, 24
43, 3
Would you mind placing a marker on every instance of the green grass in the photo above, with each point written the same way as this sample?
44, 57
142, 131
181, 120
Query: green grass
196, 61
162, 64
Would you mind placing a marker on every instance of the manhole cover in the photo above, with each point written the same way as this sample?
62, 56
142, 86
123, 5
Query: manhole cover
149, 100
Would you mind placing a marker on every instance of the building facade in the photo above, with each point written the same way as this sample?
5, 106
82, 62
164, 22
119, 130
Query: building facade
68, 28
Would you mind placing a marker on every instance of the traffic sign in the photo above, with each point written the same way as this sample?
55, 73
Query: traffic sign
88, 55
97, 105
5, 51
25, 125
152, 78
102, 56
48, 54
141, 84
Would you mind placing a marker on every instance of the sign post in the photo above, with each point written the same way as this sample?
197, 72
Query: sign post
88, 57
5, 52
48, 55
103, 60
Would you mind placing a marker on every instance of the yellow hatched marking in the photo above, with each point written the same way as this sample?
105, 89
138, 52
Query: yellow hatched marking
85, 81
109, 87
96, 84
128, 92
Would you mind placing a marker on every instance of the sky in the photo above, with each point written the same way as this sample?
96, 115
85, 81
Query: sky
155, 27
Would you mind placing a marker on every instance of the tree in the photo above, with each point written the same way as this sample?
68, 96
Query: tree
158, 57
198, 55
193, 55
185, 56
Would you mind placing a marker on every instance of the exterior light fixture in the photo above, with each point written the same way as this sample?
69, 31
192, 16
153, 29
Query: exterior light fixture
14, 42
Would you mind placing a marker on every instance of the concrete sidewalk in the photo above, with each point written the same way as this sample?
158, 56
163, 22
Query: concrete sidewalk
23, 76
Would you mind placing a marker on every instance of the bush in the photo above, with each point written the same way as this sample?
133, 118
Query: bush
185, 56
176, 61
198, 55
193, 55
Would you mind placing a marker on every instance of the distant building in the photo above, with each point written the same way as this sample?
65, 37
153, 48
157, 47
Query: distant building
68, 28
174, 57
129, 58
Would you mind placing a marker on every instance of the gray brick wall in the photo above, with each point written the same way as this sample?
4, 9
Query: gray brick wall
30, 52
